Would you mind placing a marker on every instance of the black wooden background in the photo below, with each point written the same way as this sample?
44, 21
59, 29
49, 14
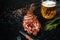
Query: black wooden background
10, 26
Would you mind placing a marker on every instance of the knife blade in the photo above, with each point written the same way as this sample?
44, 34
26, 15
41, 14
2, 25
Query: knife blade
24, 34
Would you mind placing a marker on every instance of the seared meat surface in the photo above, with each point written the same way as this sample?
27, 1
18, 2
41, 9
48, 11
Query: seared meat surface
30, 22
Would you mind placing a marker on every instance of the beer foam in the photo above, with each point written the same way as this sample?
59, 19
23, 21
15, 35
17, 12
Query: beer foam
49, 3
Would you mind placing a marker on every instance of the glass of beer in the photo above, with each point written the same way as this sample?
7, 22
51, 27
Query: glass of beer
48, 8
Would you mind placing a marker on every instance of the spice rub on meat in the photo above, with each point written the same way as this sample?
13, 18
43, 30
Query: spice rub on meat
30, 22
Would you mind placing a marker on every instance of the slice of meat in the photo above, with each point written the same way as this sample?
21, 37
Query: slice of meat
30, 22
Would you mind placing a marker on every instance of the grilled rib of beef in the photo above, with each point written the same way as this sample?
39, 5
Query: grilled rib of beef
30, 22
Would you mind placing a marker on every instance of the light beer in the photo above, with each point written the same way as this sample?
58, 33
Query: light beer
48, 9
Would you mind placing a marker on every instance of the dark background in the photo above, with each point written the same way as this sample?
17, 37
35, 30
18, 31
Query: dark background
9, 25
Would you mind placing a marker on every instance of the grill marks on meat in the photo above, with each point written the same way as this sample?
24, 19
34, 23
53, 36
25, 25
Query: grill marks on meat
30, 22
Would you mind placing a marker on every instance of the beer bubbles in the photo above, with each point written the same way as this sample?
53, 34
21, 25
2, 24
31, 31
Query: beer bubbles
49, 4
